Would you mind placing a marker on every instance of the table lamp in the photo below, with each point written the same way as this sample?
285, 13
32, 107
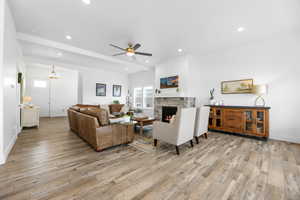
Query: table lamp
27, 100
260, 90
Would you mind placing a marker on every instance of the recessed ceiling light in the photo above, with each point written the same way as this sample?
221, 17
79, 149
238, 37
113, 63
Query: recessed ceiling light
68, 37
88, 2
146, 61
240, 29
179, 50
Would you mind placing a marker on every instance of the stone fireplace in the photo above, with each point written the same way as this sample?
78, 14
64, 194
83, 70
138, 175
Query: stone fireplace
175, 102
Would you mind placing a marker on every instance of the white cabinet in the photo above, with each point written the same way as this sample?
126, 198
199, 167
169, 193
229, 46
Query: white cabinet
30, 116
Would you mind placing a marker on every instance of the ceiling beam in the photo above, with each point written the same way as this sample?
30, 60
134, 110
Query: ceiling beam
72, 49
49, 62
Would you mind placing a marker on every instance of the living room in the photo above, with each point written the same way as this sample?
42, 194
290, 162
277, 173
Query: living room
149, 100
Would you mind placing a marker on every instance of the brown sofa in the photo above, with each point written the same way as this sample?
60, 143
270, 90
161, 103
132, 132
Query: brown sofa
92, 125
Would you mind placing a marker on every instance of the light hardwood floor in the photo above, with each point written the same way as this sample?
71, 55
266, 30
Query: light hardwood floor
52, 163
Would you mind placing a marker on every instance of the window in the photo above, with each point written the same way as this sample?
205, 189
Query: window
143, 97
138, 98
39, 84
148, 97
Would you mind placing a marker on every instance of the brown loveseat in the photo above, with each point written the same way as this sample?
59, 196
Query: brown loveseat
91, 123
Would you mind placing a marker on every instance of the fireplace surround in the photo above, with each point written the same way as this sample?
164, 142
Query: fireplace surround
178, 102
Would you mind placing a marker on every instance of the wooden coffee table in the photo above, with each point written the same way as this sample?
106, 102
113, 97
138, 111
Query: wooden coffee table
143, 121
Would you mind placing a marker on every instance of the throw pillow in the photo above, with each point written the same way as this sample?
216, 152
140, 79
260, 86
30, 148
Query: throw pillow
103, 117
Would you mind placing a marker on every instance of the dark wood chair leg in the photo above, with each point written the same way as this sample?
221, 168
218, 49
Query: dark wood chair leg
192, 144
155, 142
177, 150
205, 135
197, 139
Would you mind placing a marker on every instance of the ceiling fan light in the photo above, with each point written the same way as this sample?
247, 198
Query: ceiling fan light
130, 54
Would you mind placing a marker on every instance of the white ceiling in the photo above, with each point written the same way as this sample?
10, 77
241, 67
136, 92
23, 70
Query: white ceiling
161, 26
40, 51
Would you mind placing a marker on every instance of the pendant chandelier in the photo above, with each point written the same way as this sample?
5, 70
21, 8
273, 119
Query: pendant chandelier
53, 74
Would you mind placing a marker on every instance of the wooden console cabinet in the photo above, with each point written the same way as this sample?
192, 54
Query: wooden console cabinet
253, 121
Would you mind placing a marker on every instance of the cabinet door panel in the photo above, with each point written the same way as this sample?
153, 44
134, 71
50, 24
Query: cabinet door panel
260, 123
233, 120
249, 121
211, 118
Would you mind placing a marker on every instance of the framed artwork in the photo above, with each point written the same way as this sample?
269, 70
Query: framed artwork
244, 86
169, 82
117, 90
100, 89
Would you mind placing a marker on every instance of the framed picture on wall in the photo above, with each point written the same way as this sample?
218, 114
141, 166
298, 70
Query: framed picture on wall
117, 90
237, 87
100, 89
169, 82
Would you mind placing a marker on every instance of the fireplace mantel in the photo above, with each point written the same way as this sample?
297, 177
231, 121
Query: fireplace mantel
172, 96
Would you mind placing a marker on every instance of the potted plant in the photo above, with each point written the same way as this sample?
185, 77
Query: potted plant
212, 97
116, 102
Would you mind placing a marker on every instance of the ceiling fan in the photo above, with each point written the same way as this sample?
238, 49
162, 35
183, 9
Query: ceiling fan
130, 50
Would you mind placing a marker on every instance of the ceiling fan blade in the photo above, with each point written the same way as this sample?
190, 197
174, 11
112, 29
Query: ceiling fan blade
117, 47
118, 54
136, 46
143, 54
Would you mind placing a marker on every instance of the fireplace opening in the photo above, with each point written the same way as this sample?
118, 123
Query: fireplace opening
168, 112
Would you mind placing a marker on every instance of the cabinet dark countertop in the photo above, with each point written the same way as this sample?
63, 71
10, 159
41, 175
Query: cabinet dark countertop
244, 107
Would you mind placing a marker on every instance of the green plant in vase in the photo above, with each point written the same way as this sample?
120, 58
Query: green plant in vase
116, 102
212, 97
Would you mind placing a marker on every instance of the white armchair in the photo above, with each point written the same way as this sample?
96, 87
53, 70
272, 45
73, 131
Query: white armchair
178, 132
201, 127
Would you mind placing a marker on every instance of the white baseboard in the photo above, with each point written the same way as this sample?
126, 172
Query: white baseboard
2, 160
6, 152
292, 140
59, 115
19, 130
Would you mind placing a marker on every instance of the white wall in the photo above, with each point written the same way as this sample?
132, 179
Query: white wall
10, 59
2, 10
274, 62
172, 67
61, 93
89, 78
142, 79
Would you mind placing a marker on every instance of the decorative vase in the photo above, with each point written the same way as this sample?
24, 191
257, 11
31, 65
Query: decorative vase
213, 102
